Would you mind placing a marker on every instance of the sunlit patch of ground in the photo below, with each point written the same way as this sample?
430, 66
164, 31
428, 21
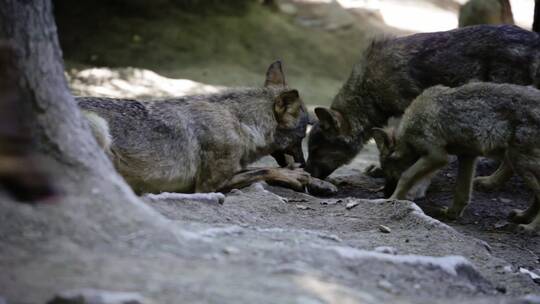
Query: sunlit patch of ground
427, 15
132, 83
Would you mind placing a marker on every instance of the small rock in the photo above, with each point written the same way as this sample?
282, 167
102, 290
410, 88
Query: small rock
352, 204
530, 299
96, 296
303, 207
384, 229
298, 200
386, 286
501, 288
505, 200
535, 277
236, 192
487, 246
230, 250
501, 224
386, 249
288, 8
327, 203
508, 269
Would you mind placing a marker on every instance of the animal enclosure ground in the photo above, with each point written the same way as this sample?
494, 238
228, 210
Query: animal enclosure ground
485, 218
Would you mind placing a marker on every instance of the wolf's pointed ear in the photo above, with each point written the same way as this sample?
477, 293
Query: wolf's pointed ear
384, 139
287, 106
329, 120
286, 99
275, 76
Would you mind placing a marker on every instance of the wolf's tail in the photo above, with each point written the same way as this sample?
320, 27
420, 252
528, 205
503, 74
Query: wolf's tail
100, 129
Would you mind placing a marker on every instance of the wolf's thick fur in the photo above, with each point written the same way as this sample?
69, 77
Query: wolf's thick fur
500, 121
393, 72
196, 143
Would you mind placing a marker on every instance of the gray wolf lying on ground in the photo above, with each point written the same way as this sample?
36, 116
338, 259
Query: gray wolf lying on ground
201, 143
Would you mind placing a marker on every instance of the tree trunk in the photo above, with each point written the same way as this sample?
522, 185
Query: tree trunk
20, 173
536, 22
93, 194
55, 119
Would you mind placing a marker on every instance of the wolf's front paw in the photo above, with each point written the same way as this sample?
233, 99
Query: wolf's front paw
485, 184
529, 229
450, 213
519, 217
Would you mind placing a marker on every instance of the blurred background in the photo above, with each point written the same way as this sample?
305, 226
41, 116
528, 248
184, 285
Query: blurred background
159, 48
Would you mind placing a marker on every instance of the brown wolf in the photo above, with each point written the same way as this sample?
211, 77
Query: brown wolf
500, 121
201, 143
392, 72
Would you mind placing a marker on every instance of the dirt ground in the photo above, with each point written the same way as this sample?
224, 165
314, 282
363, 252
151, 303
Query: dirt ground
485, 218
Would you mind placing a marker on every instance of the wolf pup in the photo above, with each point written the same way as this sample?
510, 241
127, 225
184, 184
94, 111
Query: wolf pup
500, 121
393, 72
200, 143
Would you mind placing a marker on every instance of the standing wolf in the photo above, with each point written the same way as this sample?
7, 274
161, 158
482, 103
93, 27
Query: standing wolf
500, 121
393, 72
200, 143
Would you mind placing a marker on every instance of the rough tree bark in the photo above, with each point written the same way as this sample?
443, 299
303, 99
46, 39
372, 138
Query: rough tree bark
20, 174
56, 122
94, 195
536, 22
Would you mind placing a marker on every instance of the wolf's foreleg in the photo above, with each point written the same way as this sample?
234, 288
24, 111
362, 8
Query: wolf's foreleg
462, 193
424, 166
528, 167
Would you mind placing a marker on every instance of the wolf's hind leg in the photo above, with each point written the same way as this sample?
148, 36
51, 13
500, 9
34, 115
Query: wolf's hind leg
528, 167
462, 193
525, 216
496, 180
423, 167
533, 225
